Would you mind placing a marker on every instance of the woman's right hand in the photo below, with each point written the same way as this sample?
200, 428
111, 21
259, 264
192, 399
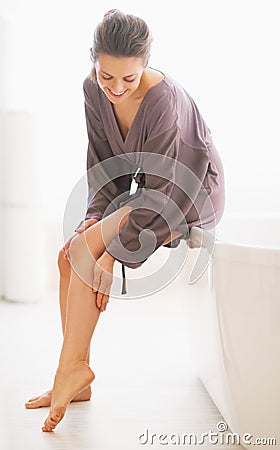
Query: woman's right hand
87, 223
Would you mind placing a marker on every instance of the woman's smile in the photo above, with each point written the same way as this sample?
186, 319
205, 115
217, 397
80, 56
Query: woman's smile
117, 94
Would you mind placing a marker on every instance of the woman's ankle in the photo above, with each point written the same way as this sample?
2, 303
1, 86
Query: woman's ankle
66, 364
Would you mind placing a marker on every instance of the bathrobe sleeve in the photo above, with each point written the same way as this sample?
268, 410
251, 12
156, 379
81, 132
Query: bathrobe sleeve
101, 189
161, 204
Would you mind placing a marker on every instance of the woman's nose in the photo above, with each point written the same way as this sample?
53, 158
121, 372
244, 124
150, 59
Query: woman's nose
117, 88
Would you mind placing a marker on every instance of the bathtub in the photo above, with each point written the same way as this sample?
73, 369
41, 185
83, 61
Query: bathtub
233, 321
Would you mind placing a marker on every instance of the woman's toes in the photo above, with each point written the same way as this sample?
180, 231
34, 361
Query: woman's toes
54, 418
48, 429
33, 399
33, 404
38, 402
29, 403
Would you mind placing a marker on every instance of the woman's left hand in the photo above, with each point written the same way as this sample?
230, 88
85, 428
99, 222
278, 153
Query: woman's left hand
103, 279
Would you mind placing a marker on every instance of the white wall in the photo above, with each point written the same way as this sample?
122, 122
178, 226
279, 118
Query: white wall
223, 52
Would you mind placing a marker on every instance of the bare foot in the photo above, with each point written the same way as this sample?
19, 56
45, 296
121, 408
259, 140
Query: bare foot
69, 381
46, 398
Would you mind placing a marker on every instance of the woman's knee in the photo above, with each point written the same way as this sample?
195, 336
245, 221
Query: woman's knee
82, 258
79, 251
90, 244
75, 249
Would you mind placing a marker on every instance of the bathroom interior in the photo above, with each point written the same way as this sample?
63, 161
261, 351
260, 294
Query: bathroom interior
201, 352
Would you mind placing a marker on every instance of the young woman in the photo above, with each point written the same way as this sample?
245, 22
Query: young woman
133, 113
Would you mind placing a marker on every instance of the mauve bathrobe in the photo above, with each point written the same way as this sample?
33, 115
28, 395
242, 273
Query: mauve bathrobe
167, 123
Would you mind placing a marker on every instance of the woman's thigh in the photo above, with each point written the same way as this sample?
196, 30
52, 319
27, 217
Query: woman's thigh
110, 226
85, 248
97, 237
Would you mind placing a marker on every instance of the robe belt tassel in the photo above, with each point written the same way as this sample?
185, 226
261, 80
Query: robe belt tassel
123, 281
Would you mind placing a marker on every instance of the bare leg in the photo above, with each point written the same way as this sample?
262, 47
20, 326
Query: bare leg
44, 399
73, 374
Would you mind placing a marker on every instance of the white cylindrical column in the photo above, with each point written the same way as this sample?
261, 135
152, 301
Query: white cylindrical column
3, 63
3, 105
21, 219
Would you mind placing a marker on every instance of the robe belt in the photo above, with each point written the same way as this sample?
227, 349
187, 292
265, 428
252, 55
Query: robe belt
136, 181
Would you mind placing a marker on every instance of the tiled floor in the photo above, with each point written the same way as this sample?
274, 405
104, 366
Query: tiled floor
144, 378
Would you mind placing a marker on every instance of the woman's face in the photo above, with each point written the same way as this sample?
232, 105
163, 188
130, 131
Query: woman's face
118, 77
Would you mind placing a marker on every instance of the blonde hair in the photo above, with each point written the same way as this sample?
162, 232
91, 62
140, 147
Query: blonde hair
123, 35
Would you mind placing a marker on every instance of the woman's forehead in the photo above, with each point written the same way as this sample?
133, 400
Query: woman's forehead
118, 65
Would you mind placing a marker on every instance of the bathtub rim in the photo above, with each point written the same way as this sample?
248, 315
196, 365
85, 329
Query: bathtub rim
250, 254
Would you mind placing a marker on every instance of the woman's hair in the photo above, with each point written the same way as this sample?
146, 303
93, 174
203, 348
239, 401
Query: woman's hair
122, 35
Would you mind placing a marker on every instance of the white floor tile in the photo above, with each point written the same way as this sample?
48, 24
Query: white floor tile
144, 378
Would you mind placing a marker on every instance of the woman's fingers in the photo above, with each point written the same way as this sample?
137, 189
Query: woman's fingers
87, 223
81, 229
99, 298
102, 285
67, 245
103, 292
96, 278
105, 300
102, 300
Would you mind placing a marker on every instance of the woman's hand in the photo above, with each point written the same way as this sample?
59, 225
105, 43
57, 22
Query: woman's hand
103, 279
87, 223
